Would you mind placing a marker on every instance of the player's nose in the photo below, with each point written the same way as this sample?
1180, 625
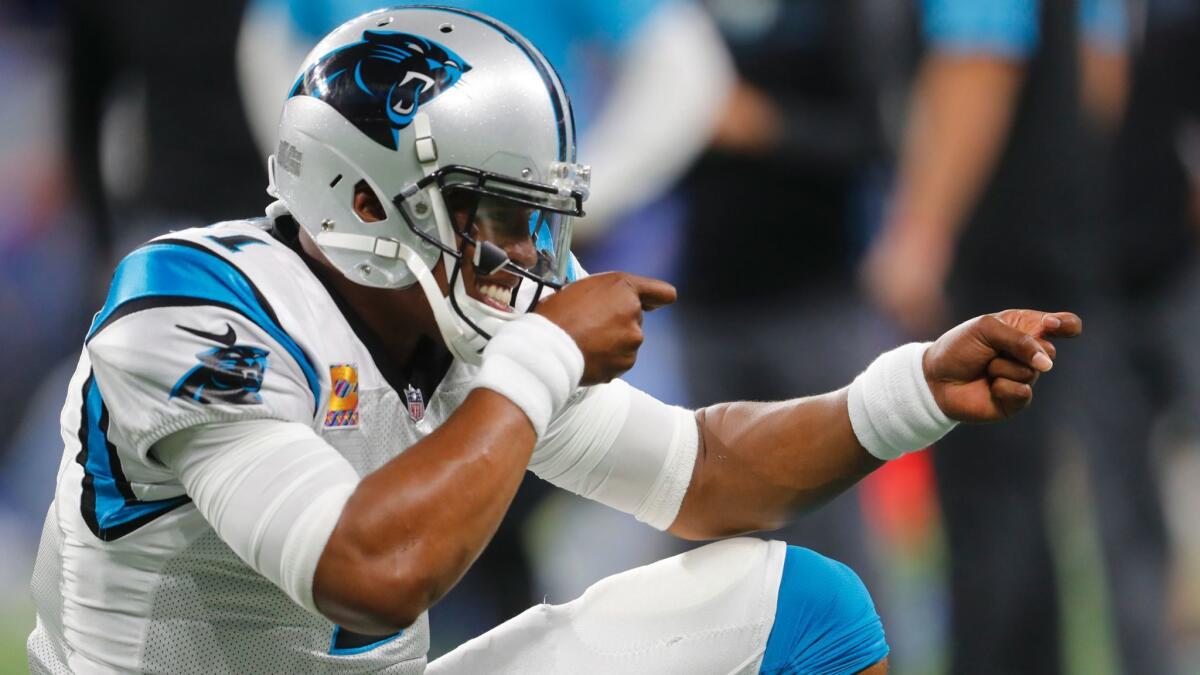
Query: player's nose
522, 252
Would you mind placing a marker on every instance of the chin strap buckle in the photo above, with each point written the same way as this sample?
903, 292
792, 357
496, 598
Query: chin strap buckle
384, 248
425, 147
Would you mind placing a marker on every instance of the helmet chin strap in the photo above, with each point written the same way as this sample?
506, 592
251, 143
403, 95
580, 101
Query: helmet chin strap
426, 151
465, 342
461, 340
447, 310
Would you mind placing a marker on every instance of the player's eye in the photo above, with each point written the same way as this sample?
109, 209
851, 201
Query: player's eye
505, 226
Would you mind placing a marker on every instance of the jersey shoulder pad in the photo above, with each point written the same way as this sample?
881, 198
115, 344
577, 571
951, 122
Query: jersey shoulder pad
186, 336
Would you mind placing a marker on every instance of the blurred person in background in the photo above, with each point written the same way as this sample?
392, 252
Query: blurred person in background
159, 137
155, 134
1014, 109
155, 139
42, 300
1152, 197
795, 165
639, 130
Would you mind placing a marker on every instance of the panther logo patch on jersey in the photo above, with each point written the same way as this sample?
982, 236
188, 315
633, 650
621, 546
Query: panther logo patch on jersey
230, 372
343, 399
380, 82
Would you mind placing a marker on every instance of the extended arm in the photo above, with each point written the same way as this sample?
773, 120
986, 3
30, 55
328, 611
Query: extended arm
739, 467
760, 464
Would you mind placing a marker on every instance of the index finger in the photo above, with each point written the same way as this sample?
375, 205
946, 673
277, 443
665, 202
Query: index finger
1022, 346
653, 293
1062, 324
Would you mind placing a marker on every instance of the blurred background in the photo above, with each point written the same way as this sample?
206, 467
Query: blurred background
823, 179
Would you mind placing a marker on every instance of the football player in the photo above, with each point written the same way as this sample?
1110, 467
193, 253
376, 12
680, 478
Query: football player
288, 437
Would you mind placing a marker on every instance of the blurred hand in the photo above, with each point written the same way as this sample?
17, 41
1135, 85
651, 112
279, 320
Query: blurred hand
984, 370
751, 122
603, 314
904, 274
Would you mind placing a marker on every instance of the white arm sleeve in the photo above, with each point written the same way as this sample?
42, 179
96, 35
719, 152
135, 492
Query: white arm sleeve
272, 490
623, 448
652, 127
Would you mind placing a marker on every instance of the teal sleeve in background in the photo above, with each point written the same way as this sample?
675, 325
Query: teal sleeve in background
1104, 24
578, 37
613, 22
1008, 28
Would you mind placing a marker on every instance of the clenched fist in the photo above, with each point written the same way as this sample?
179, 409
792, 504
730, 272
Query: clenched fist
984, 370
603, 314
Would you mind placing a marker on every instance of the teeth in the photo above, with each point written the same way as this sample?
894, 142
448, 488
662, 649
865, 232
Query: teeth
499, 294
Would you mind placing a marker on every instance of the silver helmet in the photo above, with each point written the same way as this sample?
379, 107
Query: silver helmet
430, 105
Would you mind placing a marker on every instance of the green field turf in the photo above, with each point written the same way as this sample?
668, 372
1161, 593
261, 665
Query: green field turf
16, 620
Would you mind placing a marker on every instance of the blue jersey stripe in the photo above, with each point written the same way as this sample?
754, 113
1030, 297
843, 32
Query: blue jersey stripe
182, 272
108, 505
346, 643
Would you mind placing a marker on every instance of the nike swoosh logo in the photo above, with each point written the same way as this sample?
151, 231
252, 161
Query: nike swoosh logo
227, 339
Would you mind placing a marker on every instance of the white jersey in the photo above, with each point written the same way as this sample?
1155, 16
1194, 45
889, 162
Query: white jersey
210, 324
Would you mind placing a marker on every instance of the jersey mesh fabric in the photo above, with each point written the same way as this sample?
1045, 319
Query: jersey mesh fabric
387, 425
42, 658
47, 574
214, 614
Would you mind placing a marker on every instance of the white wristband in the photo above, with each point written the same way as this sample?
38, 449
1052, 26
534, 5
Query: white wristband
533, 363
892, 409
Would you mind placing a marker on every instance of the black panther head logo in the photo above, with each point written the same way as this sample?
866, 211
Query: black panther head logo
379, 82
231, 372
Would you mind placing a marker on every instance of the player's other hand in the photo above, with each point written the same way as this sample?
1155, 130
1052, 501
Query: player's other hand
603, 314
984, 370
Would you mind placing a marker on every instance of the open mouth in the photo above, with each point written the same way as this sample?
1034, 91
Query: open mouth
494, 295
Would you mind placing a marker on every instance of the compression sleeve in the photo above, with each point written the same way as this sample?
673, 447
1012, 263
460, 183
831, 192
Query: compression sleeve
272, 490
621, 447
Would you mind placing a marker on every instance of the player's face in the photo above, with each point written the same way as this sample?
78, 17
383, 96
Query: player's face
504, 224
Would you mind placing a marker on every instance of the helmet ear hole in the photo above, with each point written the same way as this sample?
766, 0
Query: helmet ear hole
367, 206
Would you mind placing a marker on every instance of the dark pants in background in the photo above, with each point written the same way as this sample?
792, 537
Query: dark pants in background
1103, 394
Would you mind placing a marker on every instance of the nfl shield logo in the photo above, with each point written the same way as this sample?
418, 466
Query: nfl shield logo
416, 403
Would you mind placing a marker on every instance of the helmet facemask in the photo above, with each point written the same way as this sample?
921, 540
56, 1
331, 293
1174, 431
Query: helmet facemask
505, 242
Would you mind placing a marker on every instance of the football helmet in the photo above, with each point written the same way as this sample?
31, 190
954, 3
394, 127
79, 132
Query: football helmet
430, 106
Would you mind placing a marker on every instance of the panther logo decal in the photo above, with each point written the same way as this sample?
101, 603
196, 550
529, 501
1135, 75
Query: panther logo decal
379, 82
230, 372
